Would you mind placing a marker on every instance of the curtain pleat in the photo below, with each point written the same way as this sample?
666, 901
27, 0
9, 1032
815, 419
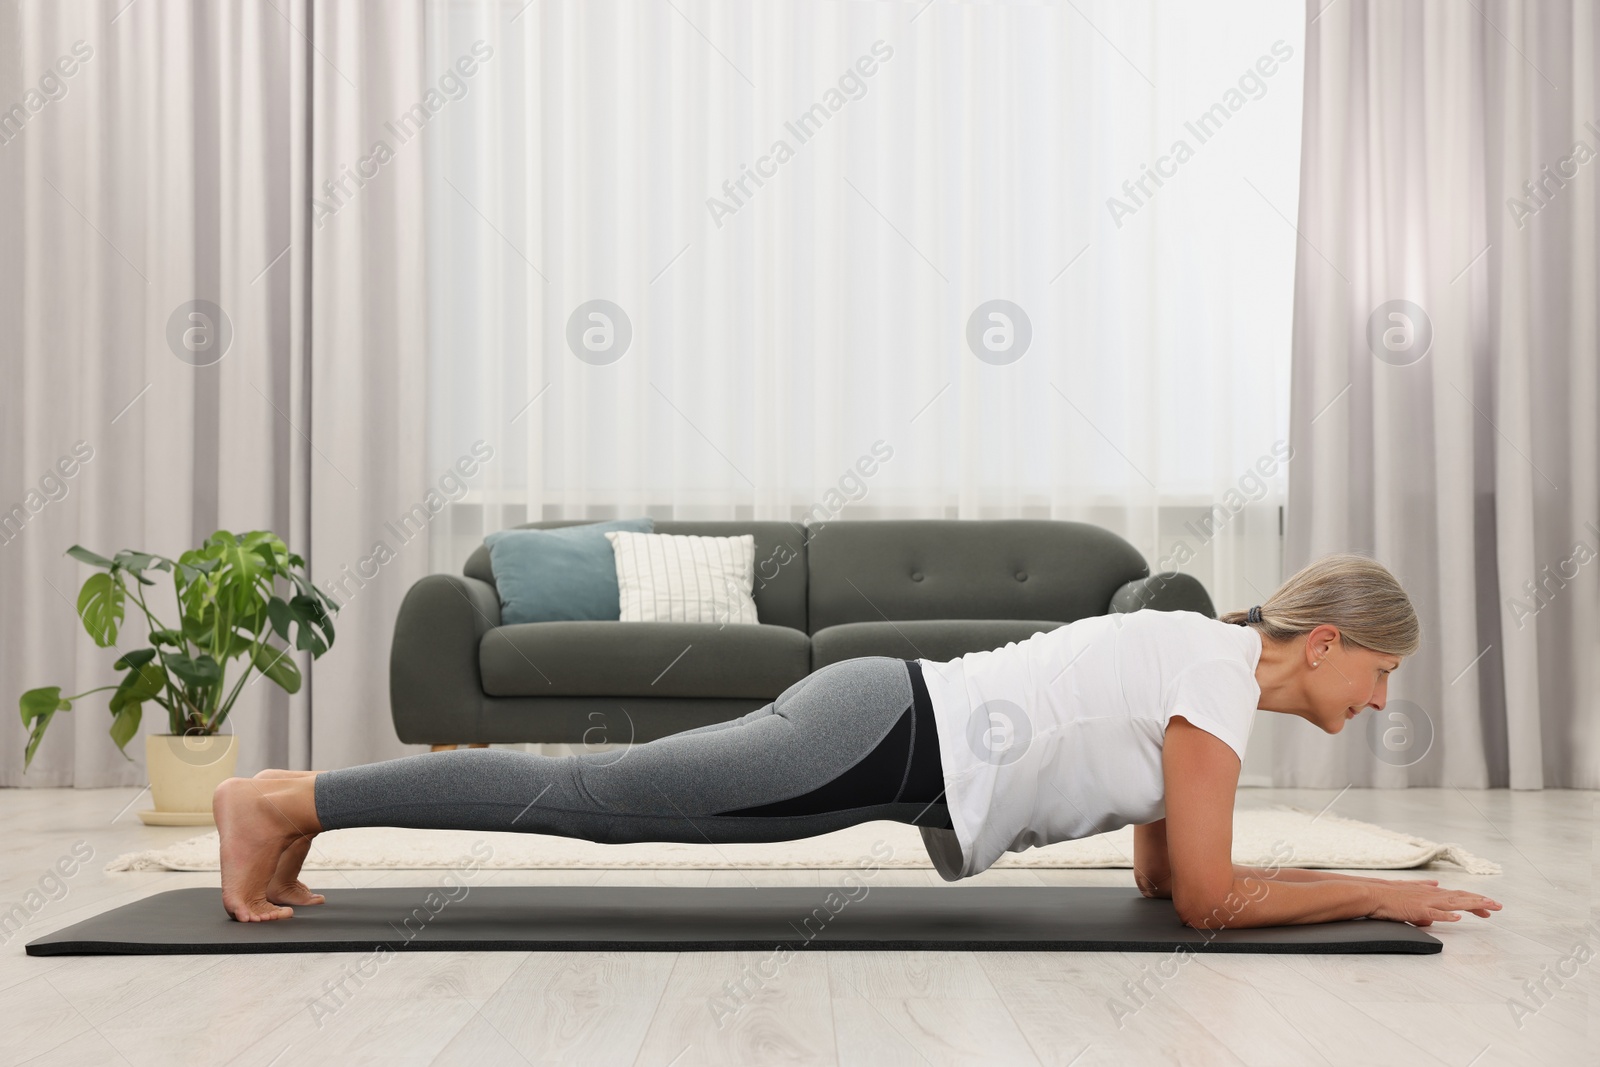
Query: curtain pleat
179, 162
1468, 464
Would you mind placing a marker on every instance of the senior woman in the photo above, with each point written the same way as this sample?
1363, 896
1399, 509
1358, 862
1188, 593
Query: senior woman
1139, 718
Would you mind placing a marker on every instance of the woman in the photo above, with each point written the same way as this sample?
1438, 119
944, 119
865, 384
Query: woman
1115, 719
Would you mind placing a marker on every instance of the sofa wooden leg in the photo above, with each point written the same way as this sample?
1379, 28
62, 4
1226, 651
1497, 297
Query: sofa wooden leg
444, 748
484, 745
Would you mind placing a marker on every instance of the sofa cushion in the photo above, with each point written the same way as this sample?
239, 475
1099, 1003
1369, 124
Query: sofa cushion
931, 639
685, 577
655, 659
867, 570
557, 575
780, 578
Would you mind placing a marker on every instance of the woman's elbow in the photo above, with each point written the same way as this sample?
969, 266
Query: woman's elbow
1153, 887
1197, 912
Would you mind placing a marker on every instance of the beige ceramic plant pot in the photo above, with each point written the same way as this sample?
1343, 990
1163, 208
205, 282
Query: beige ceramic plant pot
186, 769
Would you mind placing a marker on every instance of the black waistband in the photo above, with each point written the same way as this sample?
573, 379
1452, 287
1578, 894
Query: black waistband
925, 780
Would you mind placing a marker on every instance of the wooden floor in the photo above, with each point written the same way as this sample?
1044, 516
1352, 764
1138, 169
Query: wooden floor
1457, 1008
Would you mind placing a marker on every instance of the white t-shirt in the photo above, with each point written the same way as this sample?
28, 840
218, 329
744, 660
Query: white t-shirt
1060, 736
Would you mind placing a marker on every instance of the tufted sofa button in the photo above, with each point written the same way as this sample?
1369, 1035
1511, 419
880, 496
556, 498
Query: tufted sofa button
1022, 576
916, 576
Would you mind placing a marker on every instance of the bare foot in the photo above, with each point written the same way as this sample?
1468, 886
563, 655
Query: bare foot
255, 830
286, 886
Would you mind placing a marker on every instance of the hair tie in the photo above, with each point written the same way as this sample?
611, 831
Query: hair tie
1255, 614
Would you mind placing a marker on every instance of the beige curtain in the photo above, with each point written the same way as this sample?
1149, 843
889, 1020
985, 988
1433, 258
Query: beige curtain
166, 153
1445, 394
1008, 152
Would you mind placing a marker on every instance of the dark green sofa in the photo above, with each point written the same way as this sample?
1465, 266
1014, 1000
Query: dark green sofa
914, 588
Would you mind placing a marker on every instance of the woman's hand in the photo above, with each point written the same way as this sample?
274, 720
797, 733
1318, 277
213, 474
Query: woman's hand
1375, 881
1423, 903
1389, 881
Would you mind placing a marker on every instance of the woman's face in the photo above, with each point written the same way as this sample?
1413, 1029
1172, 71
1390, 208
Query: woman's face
1343, 681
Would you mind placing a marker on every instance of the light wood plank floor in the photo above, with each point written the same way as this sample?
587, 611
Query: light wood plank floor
1458, 1008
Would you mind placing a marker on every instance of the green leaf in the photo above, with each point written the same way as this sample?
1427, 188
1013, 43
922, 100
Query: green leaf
130, 560
278, 611
138, 685
42, 702
33, 742
173, 638
38, 707
100, 606
197, 626
310, 618
237, 645
134, 563
83, 555
199, 672
125, 725
278, 665
252, 618
137, 658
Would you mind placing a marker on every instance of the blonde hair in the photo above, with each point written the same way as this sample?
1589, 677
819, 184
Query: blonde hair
1354, 593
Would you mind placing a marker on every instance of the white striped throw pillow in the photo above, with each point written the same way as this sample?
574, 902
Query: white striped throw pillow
685, 577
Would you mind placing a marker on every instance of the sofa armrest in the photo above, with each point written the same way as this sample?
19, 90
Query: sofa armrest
1165, 591
435, 689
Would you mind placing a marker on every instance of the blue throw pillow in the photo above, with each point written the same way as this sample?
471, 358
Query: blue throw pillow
560, 574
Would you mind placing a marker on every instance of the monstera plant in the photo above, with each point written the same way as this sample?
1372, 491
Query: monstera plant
238, 597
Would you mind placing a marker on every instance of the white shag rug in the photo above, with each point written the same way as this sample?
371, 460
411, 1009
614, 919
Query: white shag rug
1279, 836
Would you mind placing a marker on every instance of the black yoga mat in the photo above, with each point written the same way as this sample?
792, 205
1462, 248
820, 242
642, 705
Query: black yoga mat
653, 918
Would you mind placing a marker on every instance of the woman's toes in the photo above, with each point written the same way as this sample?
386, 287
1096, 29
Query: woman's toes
259, 911
295, 892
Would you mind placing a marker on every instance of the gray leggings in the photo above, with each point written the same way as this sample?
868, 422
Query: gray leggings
827, 740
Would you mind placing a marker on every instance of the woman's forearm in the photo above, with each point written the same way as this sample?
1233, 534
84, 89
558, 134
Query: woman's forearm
1294, 874
1276, 902
1162, 887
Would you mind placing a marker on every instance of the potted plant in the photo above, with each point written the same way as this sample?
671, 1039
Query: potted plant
229, 607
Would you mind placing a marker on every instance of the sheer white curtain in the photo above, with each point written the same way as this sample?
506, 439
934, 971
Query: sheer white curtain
956, 154
1447, 379
160, 153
